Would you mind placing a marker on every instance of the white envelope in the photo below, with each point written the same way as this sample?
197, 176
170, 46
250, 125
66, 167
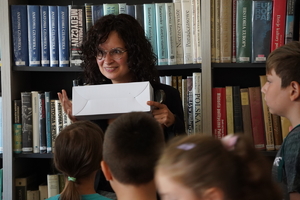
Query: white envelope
110, 100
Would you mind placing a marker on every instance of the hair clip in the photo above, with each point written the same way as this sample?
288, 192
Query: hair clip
186, 146
71, 179
229, 141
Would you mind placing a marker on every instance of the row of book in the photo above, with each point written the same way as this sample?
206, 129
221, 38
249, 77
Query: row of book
246, 31
50, 36
244, 110
38, 119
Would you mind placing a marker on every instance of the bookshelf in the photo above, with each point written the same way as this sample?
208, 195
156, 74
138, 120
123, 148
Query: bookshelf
17, 79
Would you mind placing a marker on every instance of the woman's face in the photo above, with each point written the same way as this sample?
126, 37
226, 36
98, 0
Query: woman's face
114, 68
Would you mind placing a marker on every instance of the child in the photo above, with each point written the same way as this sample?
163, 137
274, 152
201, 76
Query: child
282, 95
78, 153
199, 167
132, 145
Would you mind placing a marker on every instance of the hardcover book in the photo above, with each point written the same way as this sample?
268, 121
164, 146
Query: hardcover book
88, 15
233, 59
150, 25
34, 35
45, 49
237, 110
171, 41
225, 31
48, 121
178, 31
35, 121
110, 8
63, 36
139, 13
27, 134
122, 8
187, 38
261, 30
53, 184
42, 122
229, 110
17, 127
219, 112
162, 51
197, 98
277, 131
20, 34
130, 10
190, 115
278, 23
23, 184
53, 123
217, 30
198, 34
53, 36
247, 126
97, 12
289, 24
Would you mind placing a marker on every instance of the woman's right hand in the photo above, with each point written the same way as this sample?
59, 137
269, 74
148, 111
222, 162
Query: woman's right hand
66, 104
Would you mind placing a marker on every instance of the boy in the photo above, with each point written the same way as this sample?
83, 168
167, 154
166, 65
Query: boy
132, 145
282, 95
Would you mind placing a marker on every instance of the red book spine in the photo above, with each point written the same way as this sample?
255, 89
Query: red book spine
219, 112
257, 120
278, 24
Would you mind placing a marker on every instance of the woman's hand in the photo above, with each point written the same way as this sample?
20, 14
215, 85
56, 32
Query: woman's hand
66, 104
162, 114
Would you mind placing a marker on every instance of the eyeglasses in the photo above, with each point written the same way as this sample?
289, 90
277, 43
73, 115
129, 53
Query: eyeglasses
115, 53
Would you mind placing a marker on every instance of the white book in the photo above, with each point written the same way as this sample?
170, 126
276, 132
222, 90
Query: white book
184, 96
122, 8
198, 42
35, 122
178, 31
194, 30
169, 80
171, 38
58, 116
197, 117
162, 52
187, 37
53, 184
162, 79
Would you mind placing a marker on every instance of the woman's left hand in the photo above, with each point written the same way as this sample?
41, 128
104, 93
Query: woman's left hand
162, 114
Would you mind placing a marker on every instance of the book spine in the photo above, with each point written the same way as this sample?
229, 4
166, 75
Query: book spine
53, 123
179, 85
197, 112
229, 110
246, 113
149, 25
53, 184
162, 52
17, 127
225, 31
63, 36
198, 32
212, 31
48, 121
285, 126
243, 31
178, 32
45, 52
35, 121
77, 31
233, 59
237, 110
278, 23
122, 8
20, 34
219, 112
276, 122
174, 82
42, 122
26, 105
261, 30
58, 116
187, 31
88, 15
110, 8
194, 30
130, 10
289, 24
53, 36
97, 12
190, 124
217, 30
170, 29
34, 35
139, 13
184, 98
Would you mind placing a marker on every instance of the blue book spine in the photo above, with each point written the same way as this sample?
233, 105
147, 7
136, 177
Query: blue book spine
63, 36
97, 12
53, 36
34, 35
149, 25
130, 10
162, 52
20, 34
48, 122
45, 54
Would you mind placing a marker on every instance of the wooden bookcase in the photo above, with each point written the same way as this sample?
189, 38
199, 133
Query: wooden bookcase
17, 79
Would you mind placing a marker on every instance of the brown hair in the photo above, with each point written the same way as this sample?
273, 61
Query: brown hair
132, 145
285, 60
241, 173
78, 153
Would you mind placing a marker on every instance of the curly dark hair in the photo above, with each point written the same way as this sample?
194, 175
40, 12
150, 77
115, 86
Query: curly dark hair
141, 58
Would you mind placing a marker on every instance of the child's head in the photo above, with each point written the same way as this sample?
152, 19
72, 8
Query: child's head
78, 153
285, 61
202, 167
132, 145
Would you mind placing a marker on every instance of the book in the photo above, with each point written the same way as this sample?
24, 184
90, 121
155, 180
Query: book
48, 121
278, 23
53, 36
53, 184
77, 31
179, 85
233, 44
213, 31
197, 98
285, 126
43, 188
261, 30
267, 118
53, 122
257, 120
97, 12
122, 8
229, 110
139, 13
35, 121
63, 36
42, 122
219, 112
88, 15
150, 25
162, 79
178, 31
24, 183
190, 115
170, 32
184, 97
45, 49
225, 31
27, 134
174, 82
289, 23
58, 116
237, 110
217, 30
243, 31
247, 126
161, 32
277, 131
17, 127
187, 39
33, 195
110, 8
198, 34
169, 80
34, 35
130, 10
19, 34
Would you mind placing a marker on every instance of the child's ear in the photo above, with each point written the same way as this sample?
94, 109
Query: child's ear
106, 171
295, 90
213, 194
